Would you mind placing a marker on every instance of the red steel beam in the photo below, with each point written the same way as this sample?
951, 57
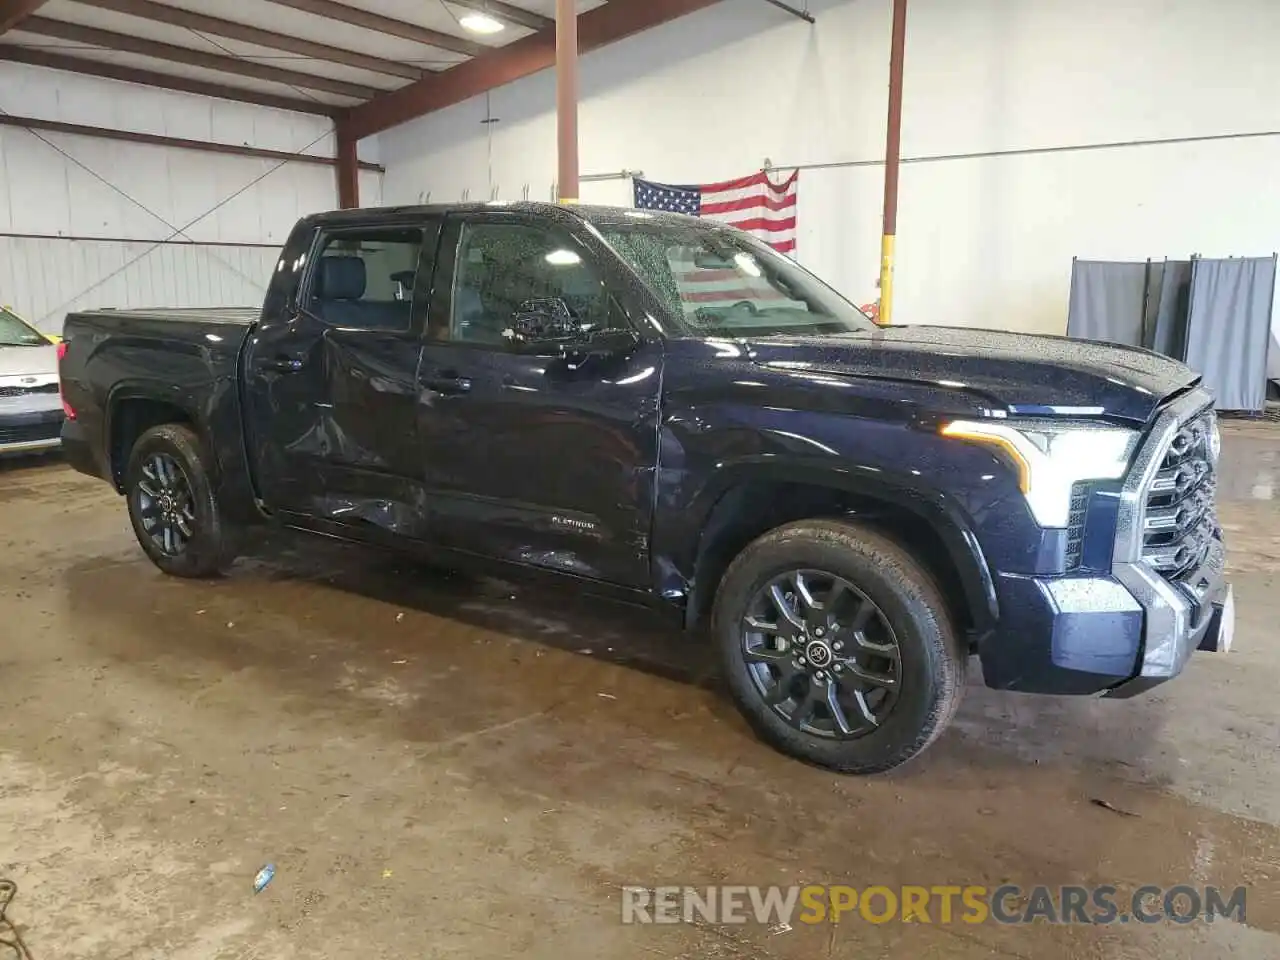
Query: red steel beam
348, 170
13, 12
177, 143
190, 20
892, 156
596, 28
567, 101
187, 56
165, 81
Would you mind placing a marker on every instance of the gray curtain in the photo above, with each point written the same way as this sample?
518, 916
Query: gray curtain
1273, 358
1107, 301
1229, 328
1170, 293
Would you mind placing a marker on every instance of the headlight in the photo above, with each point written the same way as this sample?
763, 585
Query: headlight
1051, 456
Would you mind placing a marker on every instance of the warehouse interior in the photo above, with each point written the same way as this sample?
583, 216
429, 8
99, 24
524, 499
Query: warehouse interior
436, 764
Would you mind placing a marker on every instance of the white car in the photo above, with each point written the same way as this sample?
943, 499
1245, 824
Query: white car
30, 405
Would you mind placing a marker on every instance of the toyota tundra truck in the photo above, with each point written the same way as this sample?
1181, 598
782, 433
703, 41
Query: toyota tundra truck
665, 410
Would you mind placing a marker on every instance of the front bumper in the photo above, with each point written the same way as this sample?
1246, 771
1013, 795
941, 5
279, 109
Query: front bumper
1126, 630
33, 432
1097, 635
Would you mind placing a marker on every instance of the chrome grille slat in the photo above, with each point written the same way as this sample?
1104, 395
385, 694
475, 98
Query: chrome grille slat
1179, 482
1182, 515
1180, 520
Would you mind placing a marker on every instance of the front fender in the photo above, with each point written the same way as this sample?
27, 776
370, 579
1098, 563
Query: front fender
873, 491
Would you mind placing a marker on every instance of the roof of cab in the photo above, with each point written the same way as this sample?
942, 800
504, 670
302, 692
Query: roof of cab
592, 213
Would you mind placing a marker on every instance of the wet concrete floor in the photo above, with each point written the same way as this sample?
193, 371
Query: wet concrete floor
446, 767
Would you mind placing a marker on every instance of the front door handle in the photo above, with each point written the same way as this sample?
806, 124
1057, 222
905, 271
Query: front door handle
282, 363
448, 384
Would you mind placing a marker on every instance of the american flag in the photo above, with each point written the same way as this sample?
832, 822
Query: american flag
754, 204
765, 209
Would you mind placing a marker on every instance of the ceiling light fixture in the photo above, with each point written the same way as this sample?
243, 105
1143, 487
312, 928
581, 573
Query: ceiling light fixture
481, 23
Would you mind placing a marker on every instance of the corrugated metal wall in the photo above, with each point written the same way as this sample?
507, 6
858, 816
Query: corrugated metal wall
43, 279
84, 221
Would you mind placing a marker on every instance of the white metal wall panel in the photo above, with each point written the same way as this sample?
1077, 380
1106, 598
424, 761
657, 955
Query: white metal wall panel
44, 279
69, 97
64, 184
81, 217
73, 185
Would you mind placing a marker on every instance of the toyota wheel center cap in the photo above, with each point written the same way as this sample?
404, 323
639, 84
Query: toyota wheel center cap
818, 653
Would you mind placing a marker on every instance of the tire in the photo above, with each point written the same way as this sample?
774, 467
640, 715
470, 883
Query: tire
207, 551
908, 614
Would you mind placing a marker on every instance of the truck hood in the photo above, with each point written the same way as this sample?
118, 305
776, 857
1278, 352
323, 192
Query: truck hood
1020, 373
39, 362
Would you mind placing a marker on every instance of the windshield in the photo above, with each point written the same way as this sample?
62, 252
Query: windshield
723, 282
15, 333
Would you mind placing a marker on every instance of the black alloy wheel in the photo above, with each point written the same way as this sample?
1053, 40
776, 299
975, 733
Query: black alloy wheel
822, 654
173, 506
837, 645
165, 504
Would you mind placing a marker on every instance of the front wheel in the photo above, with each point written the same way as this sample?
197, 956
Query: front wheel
837, 646
172, 505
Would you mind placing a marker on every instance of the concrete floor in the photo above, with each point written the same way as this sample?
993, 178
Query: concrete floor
441, 767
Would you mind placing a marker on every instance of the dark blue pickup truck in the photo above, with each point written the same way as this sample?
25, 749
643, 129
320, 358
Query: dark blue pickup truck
665, 409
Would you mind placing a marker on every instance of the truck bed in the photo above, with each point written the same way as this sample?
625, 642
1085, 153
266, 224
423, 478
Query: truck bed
125, 368
237, 315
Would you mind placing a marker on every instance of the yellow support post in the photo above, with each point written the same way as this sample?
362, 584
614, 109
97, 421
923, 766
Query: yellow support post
885, 315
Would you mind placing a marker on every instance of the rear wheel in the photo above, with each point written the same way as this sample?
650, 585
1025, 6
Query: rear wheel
837, 646
172, 505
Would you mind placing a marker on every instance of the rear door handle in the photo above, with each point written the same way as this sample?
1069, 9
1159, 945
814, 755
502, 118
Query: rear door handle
283, 363
448, 384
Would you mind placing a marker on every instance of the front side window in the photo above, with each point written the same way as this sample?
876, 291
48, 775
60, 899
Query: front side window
15, 333
722, 282
364, 278
504, 269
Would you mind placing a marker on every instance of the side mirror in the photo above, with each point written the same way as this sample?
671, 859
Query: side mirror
550, 328
543, 321
607, 343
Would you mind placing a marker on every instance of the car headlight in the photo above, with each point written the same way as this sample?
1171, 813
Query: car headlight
1050, 457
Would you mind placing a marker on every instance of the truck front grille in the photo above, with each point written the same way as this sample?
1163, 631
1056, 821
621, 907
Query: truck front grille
30, 432
1181, 521
28, 391
1075, 525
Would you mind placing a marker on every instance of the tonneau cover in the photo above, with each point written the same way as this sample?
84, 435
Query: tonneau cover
245, 315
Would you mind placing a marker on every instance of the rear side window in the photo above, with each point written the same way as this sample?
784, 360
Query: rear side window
364, 279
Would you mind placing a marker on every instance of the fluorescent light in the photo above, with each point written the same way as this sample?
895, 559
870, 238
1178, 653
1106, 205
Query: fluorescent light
481, 23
